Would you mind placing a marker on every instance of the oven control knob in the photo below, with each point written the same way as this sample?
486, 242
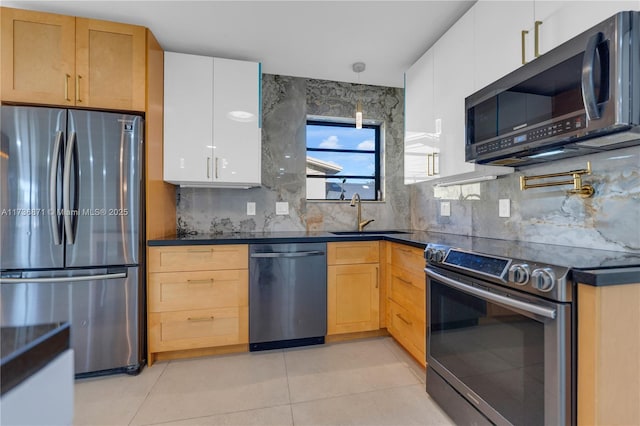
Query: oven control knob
440, 255
429, 254
519, 273
543, 279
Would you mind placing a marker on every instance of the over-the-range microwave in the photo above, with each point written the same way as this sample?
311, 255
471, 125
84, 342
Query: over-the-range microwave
579, 98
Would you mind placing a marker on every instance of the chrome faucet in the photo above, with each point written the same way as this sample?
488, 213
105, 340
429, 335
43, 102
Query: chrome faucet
361, 223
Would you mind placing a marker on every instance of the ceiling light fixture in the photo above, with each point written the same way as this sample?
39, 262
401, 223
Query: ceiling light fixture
358, 67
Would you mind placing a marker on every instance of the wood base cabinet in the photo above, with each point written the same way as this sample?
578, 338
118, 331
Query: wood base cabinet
353, 287
609, 354
197, 298
406, 299
51, 59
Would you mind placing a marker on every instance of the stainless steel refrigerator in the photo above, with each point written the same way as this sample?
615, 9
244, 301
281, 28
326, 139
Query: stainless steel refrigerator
70, 224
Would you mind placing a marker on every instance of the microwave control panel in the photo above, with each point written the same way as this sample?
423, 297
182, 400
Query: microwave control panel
550, 130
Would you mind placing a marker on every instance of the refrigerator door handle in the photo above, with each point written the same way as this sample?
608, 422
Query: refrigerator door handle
66, 189
118, 275
53, 190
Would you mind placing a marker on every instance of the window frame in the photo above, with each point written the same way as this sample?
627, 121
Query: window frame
376, 151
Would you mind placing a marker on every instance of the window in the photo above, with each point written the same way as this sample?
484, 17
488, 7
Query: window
342, 160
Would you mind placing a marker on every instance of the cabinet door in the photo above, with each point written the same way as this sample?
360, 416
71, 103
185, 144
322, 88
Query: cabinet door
236, 117
352, 298
421, 143
188, 118
38, 57
453, 76
498, 38
563, 20
110, 65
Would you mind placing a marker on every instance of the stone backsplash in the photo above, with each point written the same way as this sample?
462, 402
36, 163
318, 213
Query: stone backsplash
287, 101
609, 220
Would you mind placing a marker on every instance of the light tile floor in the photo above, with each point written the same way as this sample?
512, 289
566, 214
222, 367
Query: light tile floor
361, 382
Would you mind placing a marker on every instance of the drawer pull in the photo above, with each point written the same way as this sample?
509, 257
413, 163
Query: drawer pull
200, 319
403, 319
209, 281
200, 251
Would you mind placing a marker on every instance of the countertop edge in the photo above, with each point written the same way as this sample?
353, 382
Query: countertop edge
31, 358
607, 277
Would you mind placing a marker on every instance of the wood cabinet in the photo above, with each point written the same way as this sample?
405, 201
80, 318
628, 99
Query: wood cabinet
608, 354
211, 121
353, 287
62, 60
406, 299
197, 298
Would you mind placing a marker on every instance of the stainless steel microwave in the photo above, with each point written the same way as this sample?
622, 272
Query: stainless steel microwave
579, 98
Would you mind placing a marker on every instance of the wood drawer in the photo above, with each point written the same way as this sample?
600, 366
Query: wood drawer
353, 252
409, 258
407, 290
171, 331
198, 258
408, 330
174, 291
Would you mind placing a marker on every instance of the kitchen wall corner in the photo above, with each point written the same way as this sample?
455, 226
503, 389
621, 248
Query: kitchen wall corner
286, 103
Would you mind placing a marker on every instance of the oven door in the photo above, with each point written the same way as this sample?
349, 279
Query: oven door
508, 354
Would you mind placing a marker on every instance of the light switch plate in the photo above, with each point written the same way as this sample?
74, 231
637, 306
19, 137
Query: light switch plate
504, 207
251, 209
282, 208
445, 208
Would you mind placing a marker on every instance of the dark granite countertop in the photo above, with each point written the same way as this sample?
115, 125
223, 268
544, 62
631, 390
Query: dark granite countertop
587, 264
25, 350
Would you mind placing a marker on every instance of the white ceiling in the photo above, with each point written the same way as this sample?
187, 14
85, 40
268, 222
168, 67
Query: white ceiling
315, 39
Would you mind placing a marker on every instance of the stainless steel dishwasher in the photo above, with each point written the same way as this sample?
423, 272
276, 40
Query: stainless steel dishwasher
287, 295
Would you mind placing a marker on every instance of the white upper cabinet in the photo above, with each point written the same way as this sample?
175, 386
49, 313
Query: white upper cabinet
436, 88
563, 20
498, 38
421, 139
212, 134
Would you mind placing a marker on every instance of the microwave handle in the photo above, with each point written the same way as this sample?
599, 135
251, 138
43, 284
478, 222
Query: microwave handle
588, 84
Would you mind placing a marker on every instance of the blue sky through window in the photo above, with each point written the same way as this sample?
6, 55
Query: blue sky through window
336, 137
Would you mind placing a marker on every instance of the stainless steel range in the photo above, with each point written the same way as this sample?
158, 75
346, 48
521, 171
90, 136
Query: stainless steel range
500, 338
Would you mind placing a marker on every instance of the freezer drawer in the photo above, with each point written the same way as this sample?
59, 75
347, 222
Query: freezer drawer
103, 313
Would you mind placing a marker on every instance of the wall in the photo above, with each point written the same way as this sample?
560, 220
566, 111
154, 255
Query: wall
286, 103
610, 220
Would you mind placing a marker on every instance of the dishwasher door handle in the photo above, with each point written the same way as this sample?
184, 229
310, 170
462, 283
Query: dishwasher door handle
289, 254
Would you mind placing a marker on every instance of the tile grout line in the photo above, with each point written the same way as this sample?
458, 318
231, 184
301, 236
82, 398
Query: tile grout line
286, 375
356, 393
149, 392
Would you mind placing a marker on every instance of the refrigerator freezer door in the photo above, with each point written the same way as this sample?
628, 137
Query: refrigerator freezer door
30, 187
104, 188
103, 313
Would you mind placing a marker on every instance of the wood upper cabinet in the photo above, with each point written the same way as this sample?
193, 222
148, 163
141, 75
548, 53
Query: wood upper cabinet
353, 287
61, 60
110, 65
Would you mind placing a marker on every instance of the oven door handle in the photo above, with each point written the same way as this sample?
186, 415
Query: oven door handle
503, 300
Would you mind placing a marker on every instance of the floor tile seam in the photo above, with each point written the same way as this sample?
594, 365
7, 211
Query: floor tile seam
218, 414
356, 393
286, 376
146, 397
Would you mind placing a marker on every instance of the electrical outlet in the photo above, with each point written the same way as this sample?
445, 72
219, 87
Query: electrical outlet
445, 208
251, 209
504, 207
282, 208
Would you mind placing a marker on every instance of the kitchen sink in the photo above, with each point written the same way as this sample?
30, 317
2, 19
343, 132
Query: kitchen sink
368, 232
